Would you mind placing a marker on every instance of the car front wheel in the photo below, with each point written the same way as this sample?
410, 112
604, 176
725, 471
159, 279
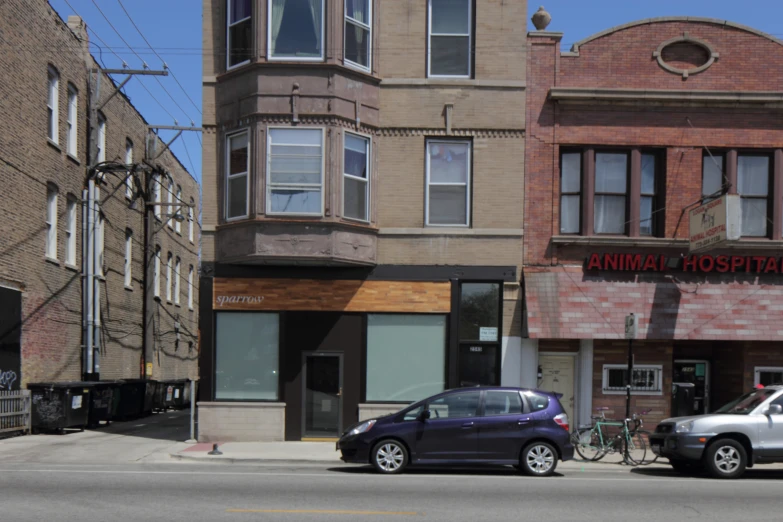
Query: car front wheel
726, 459
390, 457
539, 459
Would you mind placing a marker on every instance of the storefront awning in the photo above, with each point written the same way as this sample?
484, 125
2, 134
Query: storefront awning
569, 303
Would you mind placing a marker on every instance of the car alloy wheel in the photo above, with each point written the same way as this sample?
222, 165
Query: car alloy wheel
539, 459
726, 459
389, 456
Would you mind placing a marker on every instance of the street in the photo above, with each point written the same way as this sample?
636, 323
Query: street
195, 493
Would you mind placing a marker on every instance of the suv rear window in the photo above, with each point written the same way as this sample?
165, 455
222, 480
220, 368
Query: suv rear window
536, 401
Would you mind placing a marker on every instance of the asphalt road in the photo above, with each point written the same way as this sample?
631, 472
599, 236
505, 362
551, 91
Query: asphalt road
196, 493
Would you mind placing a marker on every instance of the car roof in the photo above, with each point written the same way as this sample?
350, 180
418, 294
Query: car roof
498, 388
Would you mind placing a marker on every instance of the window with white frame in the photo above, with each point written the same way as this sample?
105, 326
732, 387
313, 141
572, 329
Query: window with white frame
190, 287
450, 38
156, 272
100, 229
157, 195
753, 186
128, 161
70, 231
190, 220
73, 118
295, 171
296, 29
448, 182
240, 32
356, 177
177, 222
128, 258
170, 200
646, 379
358, 33
177, 277
52, 105
768, 375
51, 221
169, 268
237, 168
101, 139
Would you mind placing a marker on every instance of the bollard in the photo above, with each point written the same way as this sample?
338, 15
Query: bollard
215, 450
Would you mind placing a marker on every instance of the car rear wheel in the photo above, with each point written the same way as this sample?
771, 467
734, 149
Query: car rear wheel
389, 457
726, 459
538, 459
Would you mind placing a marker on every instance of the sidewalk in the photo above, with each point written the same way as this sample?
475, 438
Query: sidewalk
325, 453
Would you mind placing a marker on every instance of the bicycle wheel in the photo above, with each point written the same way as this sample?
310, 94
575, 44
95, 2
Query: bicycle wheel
650, 456
587, 443
637, 449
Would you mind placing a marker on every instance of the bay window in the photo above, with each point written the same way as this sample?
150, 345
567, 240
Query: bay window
295, 172
358, 32
239, 32
237, 169
296, 29
448, 183
356, 177
450, 35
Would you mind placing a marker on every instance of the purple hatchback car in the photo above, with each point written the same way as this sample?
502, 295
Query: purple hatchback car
525, 428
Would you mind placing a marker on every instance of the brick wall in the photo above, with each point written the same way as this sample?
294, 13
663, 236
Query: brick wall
34, 37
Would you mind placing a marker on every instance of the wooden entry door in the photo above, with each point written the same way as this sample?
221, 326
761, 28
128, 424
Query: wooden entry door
558, 376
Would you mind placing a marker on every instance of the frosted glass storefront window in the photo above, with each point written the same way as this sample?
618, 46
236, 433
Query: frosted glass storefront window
246, 359
406, 356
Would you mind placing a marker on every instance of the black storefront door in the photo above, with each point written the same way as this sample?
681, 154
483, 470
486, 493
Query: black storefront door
697, 373
322, 406
10, 339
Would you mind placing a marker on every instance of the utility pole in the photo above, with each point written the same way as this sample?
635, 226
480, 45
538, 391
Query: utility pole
91, 301
631, 326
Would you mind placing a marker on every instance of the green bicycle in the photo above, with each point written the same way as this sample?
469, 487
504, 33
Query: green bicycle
594, 442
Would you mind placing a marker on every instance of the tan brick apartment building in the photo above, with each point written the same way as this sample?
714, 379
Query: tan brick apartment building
363, 166
44, 129
627, 131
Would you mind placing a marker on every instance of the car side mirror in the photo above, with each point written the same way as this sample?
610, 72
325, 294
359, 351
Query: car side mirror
773, 409
426, 414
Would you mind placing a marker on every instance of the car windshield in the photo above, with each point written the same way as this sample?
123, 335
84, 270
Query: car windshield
746, 403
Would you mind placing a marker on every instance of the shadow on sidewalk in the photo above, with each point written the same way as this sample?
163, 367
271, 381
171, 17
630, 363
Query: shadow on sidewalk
173, 425
488, 471
755, 473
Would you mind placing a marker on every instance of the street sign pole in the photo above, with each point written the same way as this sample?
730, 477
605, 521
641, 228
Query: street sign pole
630, 334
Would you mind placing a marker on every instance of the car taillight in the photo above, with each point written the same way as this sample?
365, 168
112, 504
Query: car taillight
562, 421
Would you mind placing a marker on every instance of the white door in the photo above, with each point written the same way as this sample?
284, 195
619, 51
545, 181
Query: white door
558, 376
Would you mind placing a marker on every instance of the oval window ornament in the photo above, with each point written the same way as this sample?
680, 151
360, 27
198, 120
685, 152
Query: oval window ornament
683, 51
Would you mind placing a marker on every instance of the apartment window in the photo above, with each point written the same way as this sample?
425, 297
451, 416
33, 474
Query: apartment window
712, 176
358, 33
240, 32
73, 128
51, 221
296, 29
128, 258
70, 231
177, 277
170, 200
52, 104
157, 195
169, 268
450, 38
356, 177
611, 186
768, 375
237, 167
646, 379
570, 192
448, 183
156, 272
190, 220
190, 287
295, 171
648, 196
101, 231
101, 139
178, 223
753, 184
128, 161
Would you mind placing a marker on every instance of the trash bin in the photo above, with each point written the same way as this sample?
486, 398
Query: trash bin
178, 395
157, 400
149, 396
131, 398
683, 399
59, 405
101, 403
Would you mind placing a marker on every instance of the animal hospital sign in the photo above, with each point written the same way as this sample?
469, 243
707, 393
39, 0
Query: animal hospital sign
692, 263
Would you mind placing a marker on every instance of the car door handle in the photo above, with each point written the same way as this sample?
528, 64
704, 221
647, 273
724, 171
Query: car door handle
523, 421
467, 425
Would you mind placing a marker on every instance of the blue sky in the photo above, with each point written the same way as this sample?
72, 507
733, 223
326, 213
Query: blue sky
173, 28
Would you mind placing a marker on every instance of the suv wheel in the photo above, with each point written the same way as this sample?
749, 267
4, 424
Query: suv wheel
389, 457
538, 459
726, 459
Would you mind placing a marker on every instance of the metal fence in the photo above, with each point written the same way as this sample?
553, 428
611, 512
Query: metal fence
15, 411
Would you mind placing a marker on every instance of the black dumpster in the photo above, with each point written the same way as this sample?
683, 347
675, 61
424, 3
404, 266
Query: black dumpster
101, 403
158, 396
60, 405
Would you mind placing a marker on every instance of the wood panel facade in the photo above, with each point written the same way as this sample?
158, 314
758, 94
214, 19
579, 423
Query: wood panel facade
331, 295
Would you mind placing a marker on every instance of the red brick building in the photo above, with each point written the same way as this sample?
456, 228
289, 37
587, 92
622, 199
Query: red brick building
626, 132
